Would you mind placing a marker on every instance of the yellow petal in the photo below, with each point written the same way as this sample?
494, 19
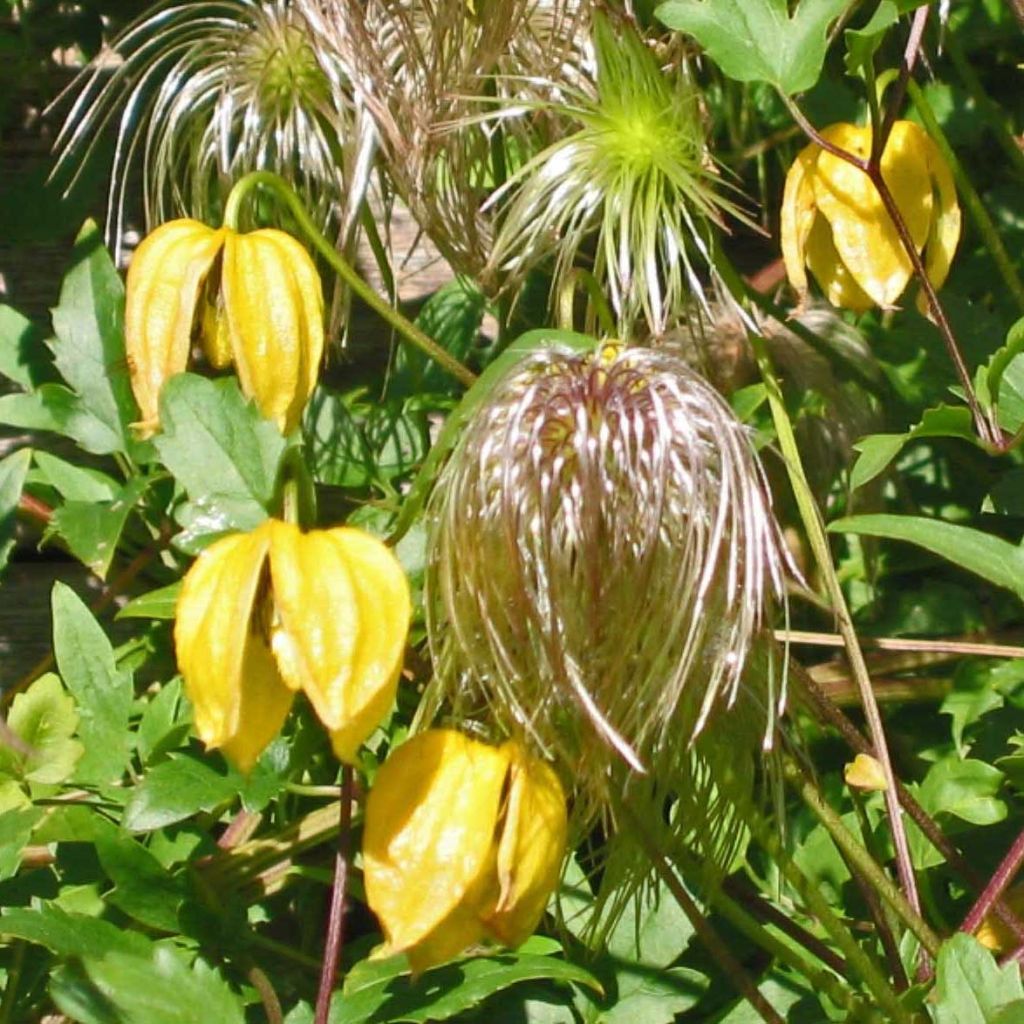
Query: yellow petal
797, 217
864, 772
945, 229
274, 308
530, 848
316, 619
382, 595
163, 291
263, 707
864, 234
213, 628
831, 273
216, 338
428, 841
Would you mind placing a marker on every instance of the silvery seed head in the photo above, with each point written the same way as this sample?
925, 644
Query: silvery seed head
603, 568
204, 93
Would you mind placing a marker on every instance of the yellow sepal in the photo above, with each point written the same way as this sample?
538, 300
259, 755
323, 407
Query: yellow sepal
214, 628
946, 222
164, 289
273, 304
428, 841
385, 607
798, 215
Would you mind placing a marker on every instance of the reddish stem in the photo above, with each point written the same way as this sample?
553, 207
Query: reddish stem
996, 886
336, 915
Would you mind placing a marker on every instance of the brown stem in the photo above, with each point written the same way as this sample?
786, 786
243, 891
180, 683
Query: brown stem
899, 92
336, 916
820, 704
996, 886
35, 509
268, 997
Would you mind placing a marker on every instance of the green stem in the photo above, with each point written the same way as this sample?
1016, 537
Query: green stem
975, 207
811, 517
861, 860
405, 328
13, 977
579, 276
818, 907
712, 941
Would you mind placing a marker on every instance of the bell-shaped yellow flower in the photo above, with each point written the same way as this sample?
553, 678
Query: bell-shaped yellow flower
267, 613
463, 841
835, 224
252, 299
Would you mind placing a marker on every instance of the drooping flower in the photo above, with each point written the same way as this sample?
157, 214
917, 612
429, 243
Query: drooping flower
603, 565
633, 174
463, 841
835, 224
253, 299
265, 614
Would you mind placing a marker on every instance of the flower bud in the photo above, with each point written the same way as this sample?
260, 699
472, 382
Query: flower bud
267, 613
463, 841
834, 221
264, 314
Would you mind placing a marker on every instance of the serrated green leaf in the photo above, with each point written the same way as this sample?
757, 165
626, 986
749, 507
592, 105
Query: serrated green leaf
970, 988
220, 449
13, 471
44, 717
878, 450
380, 991
992, 558
143, 888
157, 989
104, 694
157, 604
174, 790
91, 530
759, 40
89, 347
862, 44
70, 935
24, 358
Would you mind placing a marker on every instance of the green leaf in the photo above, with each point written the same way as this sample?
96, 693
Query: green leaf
759, 40
964, 789
970, 988
969, 701
220, 449
89, 348
24, 358
70, 935
75, 483
92, 529
334, 437
13, 470
878, 450
174, 790
85, 660
44, 717
16, 827
992, 558
452, 317
157, 989
143, 888
992, 372
380, 991
157, 604
164, 723
862, 44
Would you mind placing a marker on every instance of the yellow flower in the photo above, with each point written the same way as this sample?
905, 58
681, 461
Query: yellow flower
267, 613
834, 222
463, 841
252, 299
992, 933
